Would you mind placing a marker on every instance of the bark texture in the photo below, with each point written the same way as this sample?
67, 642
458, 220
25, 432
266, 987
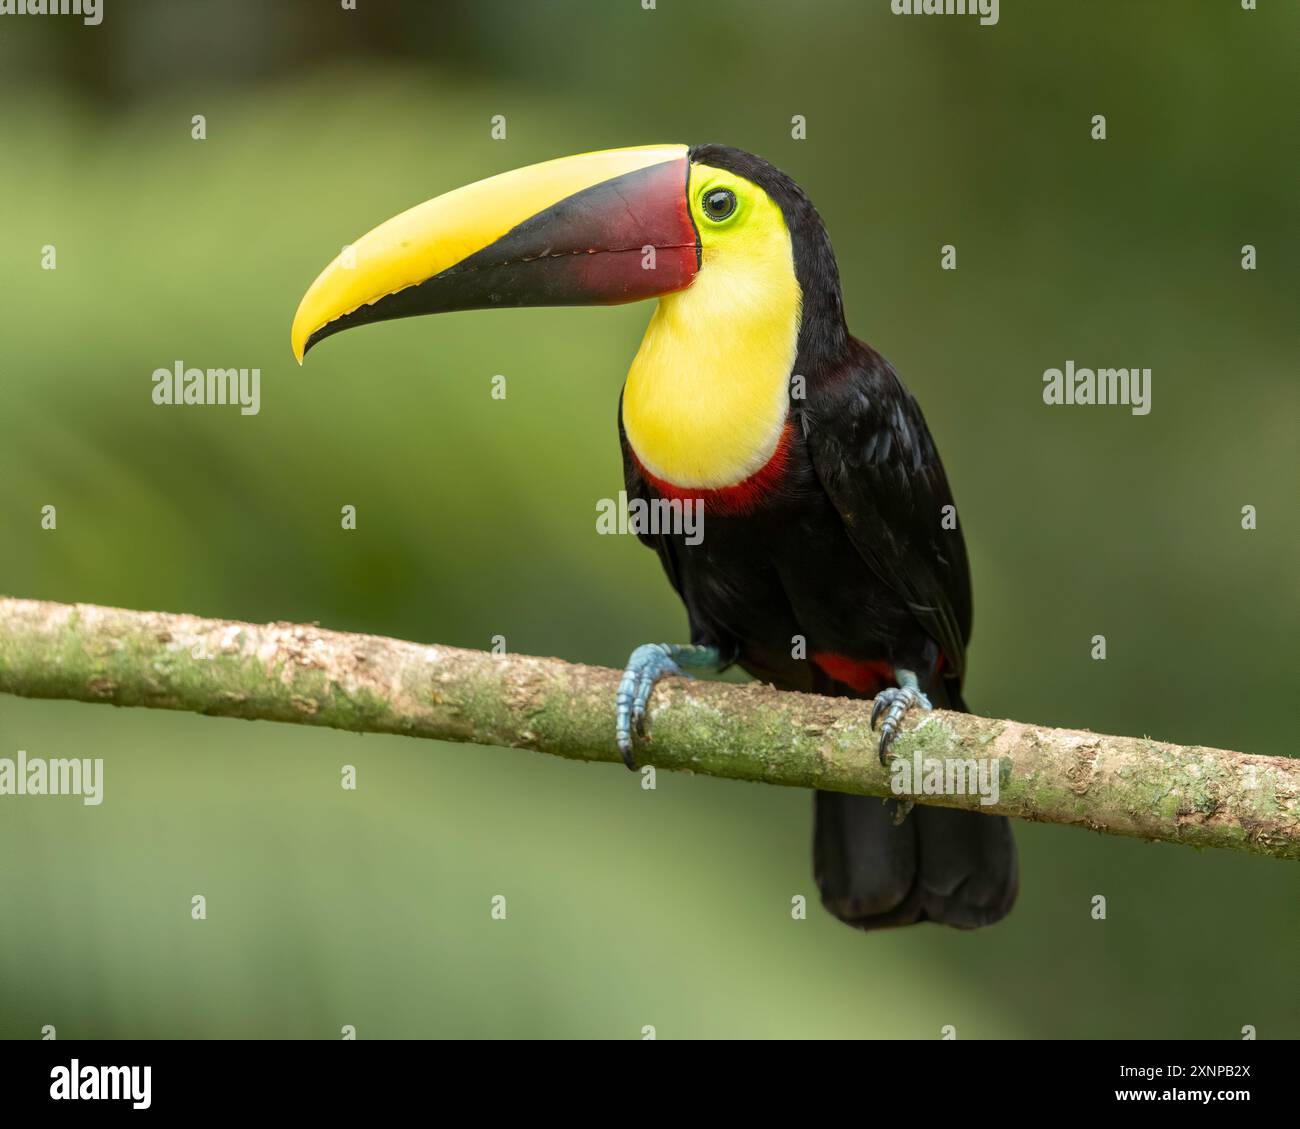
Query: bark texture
367, 684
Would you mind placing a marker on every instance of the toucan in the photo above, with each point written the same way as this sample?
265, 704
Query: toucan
831, 561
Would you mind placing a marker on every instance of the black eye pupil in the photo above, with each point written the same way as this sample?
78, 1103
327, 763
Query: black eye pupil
720, 203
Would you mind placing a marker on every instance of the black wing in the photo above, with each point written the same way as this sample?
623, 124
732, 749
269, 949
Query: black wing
875, 459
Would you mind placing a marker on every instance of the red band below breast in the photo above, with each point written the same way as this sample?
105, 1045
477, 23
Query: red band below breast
741, 498
863, 675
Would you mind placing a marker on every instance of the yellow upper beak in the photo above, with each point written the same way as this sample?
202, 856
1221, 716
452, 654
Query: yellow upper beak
433, 237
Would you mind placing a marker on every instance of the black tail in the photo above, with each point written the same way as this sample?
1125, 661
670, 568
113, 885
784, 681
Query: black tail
939, 864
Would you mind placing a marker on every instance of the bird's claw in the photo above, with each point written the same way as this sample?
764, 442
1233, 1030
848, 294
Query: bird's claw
648, 664
894, 703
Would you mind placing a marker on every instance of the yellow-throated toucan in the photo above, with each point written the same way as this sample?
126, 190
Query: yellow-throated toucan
826, 499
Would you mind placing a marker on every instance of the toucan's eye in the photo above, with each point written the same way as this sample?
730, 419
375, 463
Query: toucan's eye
719, 203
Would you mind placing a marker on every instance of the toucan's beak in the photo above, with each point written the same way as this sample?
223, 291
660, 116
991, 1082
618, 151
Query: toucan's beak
595, 229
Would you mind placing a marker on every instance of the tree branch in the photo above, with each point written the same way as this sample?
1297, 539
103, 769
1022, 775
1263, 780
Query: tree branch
368, 684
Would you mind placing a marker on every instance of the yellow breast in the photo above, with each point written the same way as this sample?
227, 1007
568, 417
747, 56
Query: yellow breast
708, 394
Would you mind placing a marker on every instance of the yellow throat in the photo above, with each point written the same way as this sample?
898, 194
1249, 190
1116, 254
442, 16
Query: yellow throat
707, 396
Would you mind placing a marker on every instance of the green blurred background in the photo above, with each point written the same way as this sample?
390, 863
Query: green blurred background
476, 516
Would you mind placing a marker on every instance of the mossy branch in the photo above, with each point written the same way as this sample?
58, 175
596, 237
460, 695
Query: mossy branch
368, 684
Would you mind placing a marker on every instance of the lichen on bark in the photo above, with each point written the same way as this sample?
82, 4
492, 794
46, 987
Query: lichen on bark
368, 684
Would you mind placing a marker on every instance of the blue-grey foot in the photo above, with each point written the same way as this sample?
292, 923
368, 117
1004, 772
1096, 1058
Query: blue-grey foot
894, 703
649, 663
